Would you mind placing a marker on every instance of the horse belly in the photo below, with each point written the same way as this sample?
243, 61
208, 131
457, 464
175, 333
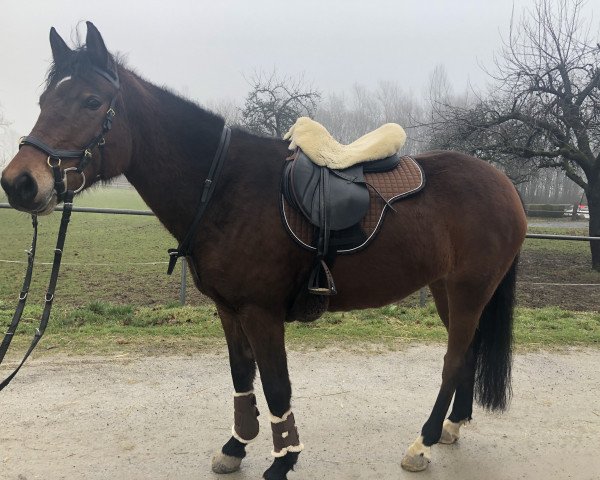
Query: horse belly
405, 256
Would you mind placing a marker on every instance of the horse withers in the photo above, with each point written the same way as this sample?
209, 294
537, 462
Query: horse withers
460, 236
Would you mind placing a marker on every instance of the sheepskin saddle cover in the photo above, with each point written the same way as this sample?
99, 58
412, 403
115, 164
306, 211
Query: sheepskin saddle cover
317, 143
406, 178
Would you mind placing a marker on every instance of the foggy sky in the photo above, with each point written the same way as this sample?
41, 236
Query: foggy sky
204, 48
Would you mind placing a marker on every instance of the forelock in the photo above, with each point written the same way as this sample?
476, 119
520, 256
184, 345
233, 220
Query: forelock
79, 64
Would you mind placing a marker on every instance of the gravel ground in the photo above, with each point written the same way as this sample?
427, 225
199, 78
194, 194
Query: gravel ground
162, 417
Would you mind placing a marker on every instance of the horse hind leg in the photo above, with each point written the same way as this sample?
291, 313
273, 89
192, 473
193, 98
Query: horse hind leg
464, 310
462, 407
480, 364
487, 370
243, 371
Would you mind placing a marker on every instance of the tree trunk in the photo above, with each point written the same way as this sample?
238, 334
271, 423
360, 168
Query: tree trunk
593, 196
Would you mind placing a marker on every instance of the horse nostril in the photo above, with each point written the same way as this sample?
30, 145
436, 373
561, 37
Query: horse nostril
24, 188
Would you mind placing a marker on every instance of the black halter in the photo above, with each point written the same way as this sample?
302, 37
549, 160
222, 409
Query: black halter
66, 196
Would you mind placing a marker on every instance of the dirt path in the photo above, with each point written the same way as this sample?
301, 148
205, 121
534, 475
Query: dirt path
162, 417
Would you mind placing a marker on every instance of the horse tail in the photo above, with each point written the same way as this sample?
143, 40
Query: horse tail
493, 346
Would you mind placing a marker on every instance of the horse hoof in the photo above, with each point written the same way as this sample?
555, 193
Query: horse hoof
450, 432
417, 457
222, 463
281, 466
415, 464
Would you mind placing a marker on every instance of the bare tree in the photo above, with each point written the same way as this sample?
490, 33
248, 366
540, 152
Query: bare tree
544, 103
550, 186
275, 102
347, 117
8, 141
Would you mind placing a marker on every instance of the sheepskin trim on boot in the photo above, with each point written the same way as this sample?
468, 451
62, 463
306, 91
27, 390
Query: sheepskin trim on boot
245, 427
285, 435
243, 394
317, 143
283, 418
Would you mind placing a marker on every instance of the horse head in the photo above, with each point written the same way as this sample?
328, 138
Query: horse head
72, 141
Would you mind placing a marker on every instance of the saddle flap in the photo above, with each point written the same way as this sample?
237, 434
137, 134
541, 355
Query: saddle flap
339, 196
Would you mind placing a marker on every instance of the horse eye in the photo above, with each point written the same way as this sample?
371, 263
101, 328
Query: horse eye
93, 103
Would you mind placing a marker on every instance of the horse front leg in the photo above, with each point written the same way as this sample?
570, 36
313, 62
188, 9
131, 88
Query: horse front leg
265, 331
243, 371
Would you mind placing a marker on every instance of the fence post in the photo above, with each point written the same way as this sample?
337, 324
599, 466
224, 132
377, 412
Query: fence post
183, 286
422, 297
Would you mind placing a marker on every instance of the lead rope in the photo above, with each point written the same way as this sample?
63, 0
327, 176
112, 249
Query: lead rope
23, 295
49, 297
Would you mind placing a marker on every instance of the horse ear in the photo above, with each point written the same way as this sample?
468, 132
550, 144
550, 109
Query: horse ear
97, 49
60, 50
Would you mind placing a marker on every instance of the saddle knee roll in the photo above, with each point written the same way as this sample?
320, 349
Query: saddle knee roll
285, 435
245, 427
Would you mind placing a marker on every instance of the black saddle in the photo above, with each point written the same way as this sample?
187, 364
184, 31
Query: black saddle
331, 200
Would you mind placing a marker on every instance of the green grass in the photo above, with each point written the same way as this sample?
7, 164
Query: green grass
558, 261
104, 259
100, 328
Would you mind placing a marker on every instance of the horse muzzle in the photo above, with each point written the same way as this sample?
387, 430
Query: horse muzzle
28, 190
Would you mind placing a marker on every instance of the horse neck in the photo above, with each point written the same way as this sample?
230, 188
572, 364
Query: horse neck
173, 143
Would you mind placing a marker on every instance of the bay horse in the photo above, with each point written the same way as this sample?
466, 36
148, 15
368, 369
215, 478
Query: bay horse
461, 236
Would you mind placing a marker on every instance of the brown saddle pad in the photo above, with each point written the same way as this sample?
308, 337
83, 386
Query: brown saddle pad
403, 181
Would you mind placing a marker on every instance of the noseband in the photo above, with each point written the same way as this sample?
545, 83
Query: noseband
66, 196
85, 155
